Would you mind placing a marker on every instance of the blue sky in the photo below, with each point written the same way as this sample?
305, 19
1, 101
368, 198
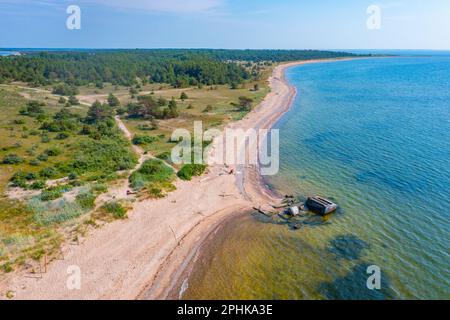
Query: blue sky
280, 24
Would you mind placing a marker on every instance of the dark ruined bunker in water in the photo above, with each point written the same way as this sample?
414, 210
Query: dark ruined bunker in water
320, 205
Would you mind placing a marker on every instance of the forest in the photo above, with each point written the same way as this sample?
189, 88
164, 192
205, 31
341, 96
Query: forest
177, 67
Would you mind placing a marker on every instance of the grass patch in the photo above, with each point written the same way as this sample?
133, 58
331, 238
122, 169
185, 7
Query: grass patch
21, 236
55, 212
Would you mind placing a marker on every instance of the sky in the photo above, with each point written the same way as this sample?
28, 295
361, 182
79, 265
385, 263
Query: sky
233, 24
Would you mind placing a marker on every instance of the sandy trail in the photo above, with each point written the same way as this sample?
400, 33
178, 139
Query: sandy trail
144, 256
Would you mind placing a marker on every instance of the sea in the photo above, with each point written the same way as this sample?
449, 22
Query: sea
373, 136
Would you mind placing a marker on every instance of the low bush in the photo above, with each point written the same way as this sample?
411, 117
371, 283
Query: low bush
33, 108
190, 170
45, 138
166, 156
35, 162
48, 173
12, 159
51, 194
62, 136
105, 156
46, 213
147, 127
18, 180
140, 140
31, 176
86, 200
18, 121
208, 108
151, 171
72, 176
54, 193
53, 152
115, 209
99, 188
42, 157
37, 185
7, 267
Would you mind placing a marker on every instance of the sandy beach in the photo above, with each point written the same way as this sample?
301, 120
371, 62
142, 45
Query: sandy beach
146, 256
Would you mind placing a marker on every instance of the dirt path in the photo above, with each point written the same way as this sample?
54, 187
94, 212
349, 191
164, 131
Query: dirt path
139, 151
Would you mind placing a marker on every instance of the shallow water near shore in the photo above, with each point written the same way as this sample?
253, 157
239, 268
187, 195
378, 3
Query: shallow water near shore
374, 136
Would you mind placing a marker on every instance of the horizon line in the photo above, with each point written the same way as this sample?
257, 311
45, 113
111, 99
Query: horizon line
206, 48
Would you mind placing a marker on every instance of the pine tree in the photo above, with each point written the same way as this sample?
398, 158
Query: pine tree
113, 101
173, 109
99, 112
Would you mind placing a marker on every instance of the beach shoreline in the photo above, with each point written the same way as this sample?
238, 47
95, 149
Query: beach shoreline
144, 256
174, 274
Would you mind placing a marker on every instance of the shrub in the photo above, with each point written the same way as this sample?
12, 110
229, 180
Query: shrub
151, 171
156, 192
65, 90
245, 103
48, 172
54, 212
37, 185
30, 176
51, 194
162, 102
45, 138
18, 180
98, 188
53, 152
184, 96
121, 111
18, 121
33, 108
62, 136
208, 108
190, 170
73, 101
147, 127
106, 156
12, 159
72, 176
86, 200
7, 267
62, 100
35, 162
115, 209
42, 157
113, 101
166, 156
76, 183
140, 140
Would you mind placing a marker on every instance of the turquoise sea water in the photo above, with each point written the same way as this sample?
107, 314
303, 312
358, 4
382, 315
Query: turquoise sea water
373, 135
